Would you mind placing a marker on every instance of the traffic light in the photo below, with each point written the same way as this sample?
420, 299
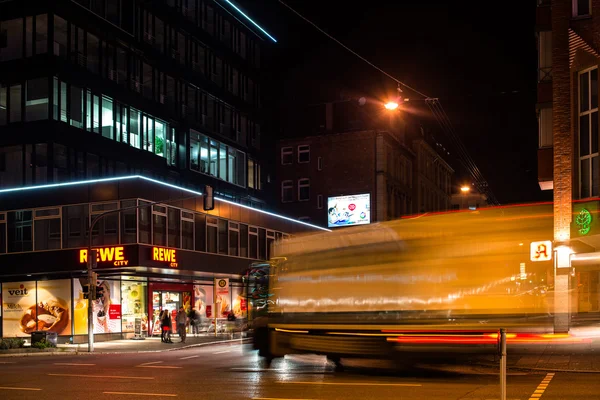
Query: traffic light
86, 290
209, 198
99, 292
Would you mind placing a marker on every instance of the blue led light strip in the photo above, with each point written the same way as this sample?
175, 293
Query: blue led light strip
250, 19
129, 177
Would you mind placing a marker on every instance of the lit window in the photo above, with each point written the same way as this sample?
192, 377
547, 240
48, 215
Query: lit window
287, 191
303, 189
304, 154
287, 155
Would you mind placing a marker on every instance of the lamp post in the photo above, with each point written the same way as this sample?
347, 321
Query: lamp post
90, 271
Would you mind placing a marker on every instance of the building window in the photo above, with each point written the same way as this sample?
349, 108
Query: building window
106, 229
287, 155
582, 8
254, 181
47, 229
36, 101
319, 201
545, 127
214, 158
588, 133
320, 163
303, 189
128, 222
174, 224
20, 231
253, 243
545, 56
287, 191
304, 153
159, 225
187, 230
234, 239
212, 229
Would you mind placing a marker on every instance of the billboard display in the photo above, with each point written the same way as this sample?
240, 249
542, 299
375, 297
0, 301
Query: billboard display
349, 210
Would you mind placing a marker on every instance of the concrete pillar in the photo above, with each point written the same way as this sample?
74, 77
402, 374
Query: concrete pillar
562, 157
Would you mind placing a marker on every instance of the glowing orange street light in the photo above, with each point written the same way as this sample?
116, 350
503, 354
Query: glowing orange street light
464, 189
391, 105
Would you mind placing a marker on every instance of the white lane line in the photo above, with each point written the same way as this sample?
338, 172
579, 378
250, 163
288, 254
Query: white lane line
352, 383
150, 363
73, 364
104, 376
7, 362
142, 394
275, 398
188, 357
158, 366
221, 352
17, 388
539, 391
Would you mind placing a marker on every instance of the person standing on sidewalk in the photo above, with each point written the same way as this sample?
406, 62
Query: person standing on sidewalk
181, 320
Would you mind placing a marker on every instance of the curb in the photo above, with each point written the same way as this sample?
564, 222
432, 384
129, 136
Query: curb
515, 368
76, 352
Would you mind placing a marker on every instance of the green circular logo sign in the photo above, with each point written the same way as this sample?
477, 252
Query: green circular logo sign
584, 221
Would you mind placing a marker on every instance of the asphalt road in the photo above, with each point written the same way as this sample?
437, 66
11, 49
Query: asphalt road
233, 372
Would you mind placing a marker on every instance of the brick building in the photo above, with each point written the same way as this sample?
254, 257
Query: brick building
395, 167
568, 34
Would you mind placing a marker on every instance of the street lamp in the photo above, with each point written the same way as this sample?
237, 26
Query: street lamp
90, 256
465, 189
391, 105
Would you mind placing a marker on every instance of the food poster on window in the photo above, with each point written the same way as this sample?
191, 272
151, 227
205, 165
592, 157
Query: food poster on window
203, 300
222, 297
54, 306
80, 309
133, 303
18, 309
238, 301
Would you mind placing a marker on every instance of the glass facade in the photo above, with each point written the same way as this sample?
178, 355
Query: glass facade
67, 227
211, 157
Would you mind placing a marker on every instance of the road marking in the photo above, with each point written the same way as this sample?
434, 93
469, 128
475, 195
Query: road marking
188, 357
104, 376
150, 363
17, 388
142, 394
221, 352
539, 391
275, 398
353, 383
158, 366
73, 364
7, 362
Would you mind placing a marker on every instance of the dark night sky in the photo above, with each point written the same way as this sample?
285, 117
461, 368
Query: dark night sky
479, 61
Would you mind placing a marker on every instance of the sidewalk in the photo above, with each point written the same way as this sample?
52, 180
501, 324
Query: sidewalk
573, 357
152, 344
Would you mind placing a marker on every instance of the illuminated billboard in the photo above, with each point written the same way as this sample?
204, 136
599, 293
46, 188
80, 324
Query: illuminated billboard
349, 210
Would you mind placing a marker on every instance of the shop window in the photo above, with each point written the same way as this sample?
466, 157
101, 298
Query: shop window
145, 224
15, 103
174, 221
159, 225
47, 229
20, 231
134, 305
253, 243
212, 228
234, 239
128, 222
105, 231
303, 189
200, 232
287, 155
303, 154
187, 230
11, 39
243, 240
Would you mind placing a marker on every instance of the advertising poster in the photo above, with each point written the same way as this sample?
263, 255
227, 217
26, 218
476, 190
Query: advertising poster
18, 309
203, 300
133, 305
239, 302
349, 210
107, 319
222, 297
54, 306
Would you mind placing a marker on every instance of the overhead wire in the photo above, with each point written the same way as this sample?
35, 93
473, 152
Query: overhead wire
434, 105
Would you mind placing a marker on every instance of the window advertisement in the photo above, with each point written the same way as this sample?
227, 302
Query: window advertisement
203, 300
18, 309
238, 301
222, 297
27, 310
134, 306
106, 311
349, 210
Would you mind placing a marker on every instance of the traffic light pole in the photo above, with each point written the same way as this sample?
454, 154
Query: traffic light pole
90, 256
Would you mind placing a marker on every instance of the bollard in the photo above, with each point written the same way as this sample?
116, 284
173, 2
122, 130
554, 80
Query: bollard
502, 354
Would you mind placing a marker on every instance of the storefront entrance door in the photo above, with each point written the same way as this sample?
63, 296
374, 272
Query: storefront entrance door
171, 301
